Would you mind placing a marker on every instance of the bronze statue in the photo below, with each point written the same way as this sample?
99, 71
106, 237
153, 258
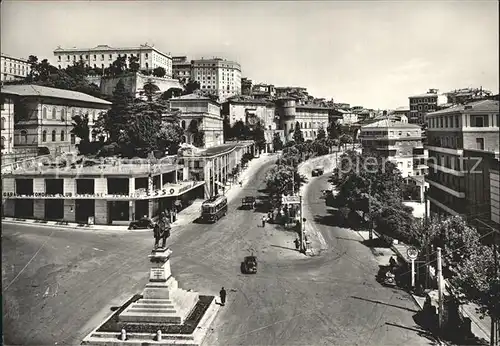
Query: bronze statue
162, 230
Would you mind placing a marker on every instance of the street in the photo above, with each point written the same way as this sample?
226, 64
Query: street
59, 284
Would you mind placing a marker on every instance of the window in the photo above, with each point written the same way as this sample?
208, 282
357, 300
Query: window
44, 113
73, 140
54, 113
111, 57
72, 113
3, 142
478, 121
53, 135
3, 123
62, 136
102, 57
44, 136
63, 114
480, 143
24, 137
183, 124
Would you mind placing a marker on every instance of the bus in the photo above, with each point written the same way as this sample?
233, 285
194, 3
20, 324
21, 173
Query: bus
214, 208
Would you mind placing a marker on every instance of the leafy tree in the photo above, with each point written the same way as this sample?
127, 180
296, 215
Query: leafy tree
298, 137
282, 179
133, 63
170, 93
115, 121
334, 130
226, 128
150, 90
170, 135
246, 158
259, 136
345, 139
119, 66
239, 130
321, 134
277, 142
81, 130
159, 72
199, 139
191, 87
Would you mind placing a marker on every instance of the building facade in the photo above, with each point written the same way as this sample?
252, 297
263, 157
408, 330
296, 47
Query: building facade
460, 137
495, 196
264, 91
399, 142
218, 76
246, 86
13, 68
250, 111
181, 68
134, 84
422, 104
103, 192
7, 119
43, 116
200, 113
103, 56
215, 166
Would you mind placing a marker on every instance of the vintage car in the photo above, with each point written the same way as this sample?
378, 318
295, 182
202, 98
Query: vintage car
142, 223
248, 202
317, 171
249, 265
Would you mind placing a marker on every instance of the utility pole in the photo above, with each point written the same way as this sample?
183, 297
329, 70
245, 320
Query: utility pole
440, 288
370, 226
302, 226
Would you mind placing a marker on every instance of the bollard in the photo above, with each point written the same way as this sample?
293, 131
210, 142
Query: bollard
124, 335
158, 335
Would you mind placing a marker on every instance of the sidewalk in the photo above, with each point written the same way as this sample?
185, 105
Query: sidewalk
479, 327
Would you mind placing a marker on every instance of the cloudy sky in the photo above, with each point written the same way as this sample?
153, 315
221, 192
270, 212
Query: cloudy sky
369, 53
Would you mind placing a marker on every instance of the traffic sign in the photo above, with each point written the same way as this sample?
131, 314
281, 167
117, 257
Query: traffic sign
412, 253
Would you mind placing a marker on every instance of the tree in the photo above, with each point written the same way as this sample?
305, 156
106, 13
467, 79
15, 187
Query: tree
150, 90
191, 87
259, 136
345, 139
170, 93
119, 66
239, 130
226, 128
159, 72
114, 122
199, 139
321, 134
170, 135
282, 179
277, 142
133, 63
81, 130
298, 137
334, 130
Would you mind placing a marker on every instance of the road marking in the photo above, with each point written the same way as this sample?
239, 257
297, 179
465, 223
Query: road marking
96, 249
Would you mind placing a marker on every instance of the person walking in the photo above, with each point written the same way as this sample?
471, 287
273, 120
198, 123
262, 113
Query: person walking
222, 294
263, 221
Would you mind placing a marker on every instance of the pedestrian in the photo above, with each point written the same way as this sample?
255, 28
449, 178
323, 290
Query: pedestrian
222, 294
263, 221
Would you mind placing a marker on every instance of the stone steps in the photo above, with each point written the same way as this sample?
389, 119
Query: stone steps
151, 317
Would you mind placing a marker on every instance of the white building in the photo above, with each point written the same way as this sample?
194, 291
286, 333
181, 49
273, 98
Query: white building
7, 107
222, 77
200, 113
13, 68
103, 56
43, 116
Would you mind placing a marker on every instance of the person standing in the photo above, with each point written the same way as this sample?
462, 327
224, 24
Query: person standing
222, 294
263, 221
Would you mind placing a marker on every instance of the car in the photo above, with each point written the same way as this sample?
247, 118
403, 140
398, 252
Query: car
142, 223
317, 171
248, 202
249, 265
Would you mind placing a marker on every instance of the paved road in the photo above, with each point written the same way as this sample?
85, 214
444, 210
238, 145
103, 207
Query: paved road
58, 284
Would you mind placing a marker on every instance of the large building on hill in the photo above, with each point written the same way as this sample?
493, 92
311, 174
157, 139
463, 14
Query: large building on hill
181, 68
39, 116
218, 76
13, 68
102, 56
463, 141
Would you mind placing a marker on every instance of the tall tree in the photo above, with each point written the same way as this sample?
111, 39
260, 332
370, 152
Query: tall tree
133, 63
321, 134
159, 72
283, 179
259, 136
191, 87
226, 128
277, 142
114, 122
150, 89
298, 137
239, 130
334, 130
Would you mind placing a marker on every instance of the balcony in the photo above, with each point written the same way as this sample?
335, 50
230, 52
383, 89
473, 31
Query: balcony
444, 188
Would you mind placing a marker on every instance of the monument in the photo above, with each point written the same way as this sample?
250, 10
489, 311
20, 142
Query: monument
163, 313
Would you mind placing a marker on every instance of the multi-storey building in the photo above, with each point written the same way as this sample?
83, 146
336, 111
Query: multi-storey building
97, 191
181, 68
467, 95
495, 196
13, 68
218, 76
43, 116
460, 137
398, 141
311, 118
264, 91
200, 113
7, 117
401, 111
422, 104
103, 56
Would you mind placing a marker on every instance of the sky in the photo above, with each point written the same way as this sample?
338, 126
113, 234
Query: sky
368, 53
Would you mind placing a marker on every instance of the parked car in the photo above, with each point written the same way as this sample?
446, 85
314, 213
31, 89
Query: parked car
249, 265
142, 223
317, 171
248, 202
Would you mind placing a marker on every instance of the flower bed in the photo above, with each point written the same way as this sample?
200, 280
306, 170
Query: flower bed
188, 327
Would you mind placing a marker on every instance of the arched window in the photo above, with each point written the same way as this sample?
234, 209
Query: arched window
63, 114
93, 117
53, 135
54, 110
184, 139
183, 124
24, 137
44, 113
73, 139
73, 113
3, 142
44, 136
63, 135
3, 123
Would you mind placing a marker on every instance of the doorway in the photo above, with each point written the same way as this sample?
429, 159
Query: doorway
84, 208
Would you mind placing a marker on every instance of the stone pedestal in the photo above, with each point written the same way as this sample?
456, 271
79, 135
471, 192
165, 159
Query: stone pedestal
163, 301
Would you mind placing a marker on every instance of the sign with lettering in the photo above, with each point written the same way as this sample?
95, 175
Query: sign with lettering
412, 253
157, 274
